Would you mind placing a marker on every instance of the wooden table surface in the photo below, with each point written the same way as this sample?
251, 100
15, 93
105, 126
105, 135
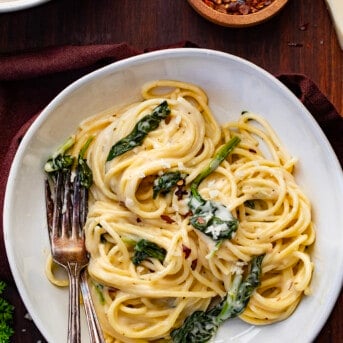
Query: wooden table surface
300, 39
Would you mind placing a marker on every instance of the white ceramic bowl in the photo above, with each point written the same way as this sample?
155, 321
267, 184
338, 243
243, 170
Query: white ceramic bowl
16, 5
232, 85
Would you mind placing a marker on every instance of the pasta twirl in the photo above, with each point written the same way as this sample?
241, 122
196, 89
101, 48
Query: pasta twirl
145, 302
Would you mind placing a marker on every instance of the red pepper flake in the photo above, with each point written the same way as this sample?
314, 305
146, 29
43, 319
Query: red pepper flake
167, 120
238, 7
189, 213
201, 220
180, 192
167, 219
112, 291
208, 3
187, 251
138, 220
194, 264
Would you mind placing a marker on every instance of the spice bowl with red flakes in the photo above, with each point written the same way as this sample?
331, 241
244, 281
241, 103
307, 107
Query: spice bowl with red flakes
237, 13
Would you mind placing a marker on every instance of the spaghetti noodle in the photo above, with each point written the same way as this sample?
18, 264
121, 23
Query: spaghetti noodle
144, 302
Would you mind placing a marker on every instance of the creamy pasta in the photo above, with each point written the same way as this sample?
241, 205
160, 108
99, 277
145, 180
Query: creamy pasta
144, 302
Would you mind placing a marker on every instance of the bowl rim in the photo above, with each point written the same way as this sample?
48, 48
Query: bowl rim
16, 5
231, 20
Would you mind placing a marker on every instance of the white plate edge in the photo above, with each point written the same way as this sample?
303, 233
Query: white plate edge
17, 5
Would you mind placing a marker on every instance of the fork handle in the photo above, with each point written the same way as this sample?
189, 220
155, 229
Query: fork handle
74, 327
95, 331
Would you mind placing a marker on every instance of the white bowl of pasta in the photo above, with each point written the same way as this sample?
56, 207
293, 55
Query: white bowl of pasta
219, 182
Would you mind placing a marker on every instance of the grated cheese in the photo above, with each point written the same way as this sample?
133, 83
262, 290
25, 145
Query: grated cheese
213, 193
129, 202
215, 230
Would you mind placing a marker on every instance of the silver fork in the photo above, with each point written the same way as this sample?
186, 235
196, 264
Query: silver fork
66, 208
95, 331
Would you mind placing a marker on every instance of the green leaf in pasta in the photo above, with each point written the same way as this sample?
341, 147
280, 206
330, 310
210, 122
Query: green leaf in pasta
210, 217
166, 182
136, 137
201, 326
85, 172
60, 160
145, 249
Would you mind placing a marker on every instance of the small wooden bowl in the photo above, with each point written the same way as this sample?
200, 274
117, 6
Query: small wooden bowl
239, 20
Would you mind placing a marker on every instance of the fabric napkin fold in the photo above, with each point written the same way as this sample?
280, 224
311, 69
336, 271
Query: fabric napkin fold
29, 81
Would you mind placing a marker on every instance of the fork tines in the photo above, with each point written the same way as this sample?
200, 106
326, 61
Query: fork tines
66, 204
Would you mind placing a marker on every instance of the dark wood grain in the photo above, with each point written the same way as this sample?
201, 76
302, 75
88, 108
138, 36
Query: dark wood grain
153, 23
300, 39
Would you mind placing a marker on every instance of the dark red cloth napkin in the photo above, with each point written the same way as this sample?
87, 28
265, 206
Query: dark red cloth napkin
29, 81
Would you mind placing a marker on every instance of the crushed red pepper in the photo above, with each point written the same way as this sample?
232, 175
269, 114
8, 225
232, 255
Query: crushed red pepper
194, 264
187, 251
238, 7
167, 219
180, 192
